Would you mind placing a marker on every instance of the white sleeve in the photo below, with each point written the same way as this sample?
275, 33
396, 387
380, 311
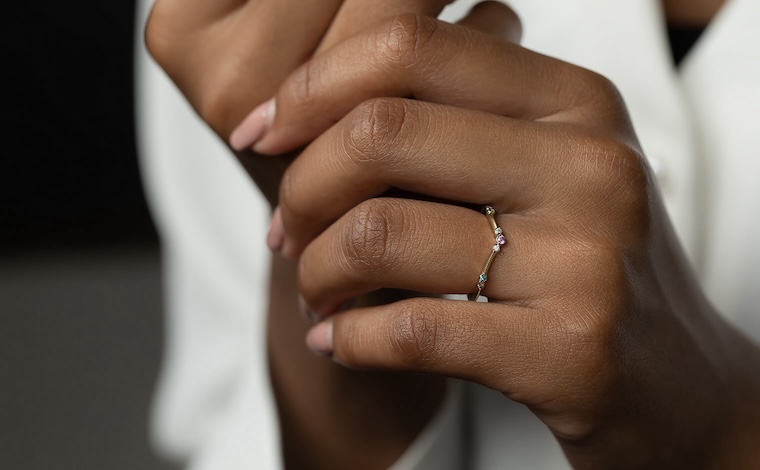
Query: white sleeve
213, 406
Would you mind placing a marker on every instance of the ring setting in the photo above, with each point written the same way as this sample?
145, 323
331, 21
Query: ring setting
499, 241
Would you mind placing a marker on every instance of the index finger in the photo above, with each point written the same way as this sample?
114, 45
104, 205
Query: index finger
356, 15
421, 58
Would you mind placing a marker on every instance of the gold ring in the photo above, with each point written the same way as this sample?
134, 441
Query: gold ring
499, 241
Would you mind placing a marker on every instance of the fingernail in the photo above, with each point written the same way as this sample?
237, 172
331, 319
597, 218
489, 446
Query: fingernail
307, 313
253, 127
320, 338
276, 235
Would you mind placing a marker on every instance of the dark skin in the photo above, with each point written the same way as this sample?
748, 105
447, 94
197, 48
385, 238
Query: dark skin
314, 394
212, 50
691, 12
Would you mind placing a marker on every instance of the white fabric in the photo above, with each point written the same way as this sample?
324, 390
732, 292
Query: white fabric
214, 407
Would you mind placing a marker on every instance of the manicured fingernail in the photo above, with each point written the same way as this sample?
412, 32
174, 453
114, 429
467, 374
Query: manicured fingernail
253, 127
307, 313
276, 236
320, 338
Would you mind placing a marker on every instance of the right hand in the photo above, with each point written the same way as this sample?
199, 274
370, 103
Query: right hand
227, 56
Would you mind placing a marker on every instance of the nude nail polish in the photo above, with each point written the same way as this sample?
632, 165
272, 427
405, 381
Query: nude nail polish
276, 235
253, 127
320, 338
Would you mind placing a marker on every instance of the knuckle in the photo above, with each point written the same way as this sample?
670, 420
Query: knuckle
600, 84
416, 335
371, 235
299, 90
218, 105
377, 128
615, 169
405, 39
157, 36
599, 89
582, 348
598, 318
601, 259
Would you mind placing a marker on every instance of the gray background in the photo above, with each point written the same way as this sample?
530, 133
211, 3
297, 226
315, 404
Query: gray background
80, 342
80, 286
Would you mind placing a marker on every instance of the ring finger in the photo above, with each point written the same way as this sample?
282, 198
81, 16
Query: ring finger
433, 248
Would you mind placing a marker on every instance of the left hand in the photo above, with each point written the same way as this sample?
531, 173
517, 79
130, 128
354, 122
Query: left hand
594, 318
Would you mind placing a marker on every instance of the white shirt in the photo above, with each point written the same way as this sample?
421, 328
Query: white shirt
699, 126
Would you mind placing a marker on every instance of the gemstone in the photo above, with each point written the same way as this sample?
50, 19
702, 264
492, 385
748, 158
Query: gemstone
483, 278
496, 248
501, 240
490, 210
499, 231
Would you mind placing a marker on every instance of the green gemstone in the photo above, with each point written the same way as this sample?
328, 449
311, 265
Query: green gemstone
483, 277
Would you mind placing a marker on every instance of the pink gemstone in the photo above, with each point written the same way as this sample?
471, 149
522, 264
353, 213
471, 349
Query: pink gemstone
501, 240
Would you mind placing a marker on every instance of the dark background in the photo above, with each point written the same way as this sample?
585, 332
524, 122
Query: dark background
80, 291
69, 173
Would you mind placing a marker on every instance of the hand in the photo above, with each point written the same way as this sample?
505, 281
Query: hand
227, 56
594, 318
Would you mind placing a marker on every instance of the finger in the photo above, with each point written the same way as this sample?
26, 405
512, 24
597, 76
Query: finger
507, 348
392, 243
356, 15
433, 248
427, 60
431, 150
196, 12
492, 17
186, 40
352, 17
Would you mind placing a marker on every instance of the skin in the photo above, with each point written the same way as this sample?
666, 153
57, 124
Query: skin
609, 370
594, 321
691, 12
213, 52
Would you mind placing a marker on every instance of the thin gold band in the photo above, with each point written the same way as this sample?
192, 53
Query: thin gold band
499, 241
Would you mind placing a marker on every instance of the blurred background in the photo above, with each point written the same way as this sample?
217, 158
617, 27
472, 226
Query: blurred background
80, 284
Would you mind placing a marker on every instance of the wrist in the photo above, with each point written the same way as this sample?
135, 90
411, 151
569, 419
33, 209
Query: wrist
330, 416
